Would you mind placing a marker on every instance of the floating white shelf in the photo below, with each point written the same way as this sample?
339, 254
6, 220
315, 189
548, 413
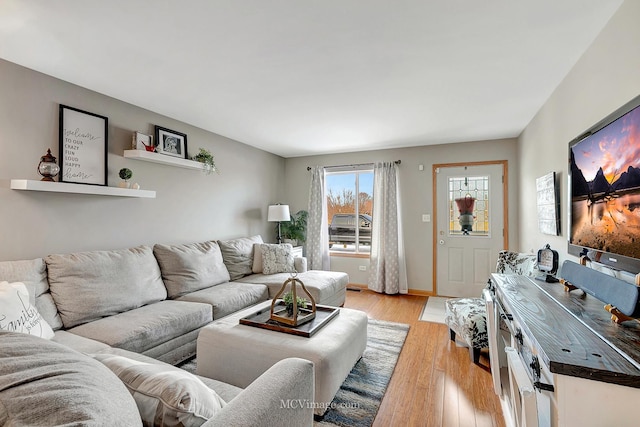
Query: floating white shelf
65, 187
148, 156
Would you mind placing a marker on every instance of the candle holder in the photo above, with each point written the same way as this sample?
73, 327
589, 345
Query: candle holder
48, 167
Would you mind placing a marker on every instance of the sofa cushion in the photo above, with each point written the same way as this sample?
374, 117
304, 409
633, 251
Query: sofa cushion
33, 273
18, 314
228, 298
165, 395
149, 326
191, 267
48, 384
277, 258
90, 285
238, 255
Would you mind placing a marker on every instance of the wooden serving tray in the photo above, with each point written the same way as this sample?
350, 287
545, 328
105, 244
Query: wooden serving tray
262, 319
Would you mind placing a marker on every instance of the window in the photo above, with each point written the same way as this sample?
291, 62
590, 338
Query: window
350, 196
471, 195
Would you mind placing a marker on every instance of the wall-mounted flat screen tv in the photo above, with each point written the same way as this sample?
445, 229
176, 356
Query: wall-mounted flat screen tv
604, 190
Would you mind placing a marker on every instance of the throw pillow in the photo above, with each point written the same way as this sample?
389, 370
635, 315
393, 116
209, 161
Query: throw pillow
237, 255
165, 395
277, 258
17, 314
257, 258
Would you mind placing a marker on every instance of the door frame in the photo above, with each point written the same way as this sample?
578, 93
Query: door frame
505, 206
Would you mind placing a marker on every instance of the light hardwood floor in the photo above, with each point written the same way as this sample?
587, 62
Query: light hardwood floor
434, 383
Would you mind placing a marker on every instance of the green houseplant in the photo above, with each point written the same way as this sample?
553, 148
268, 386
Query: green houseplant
288, 302
125, 174
296, 228
205, 157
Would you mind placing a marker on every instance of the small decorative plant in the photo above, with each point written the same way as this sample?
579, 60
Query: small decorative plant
125, 174
205, 157
288, 302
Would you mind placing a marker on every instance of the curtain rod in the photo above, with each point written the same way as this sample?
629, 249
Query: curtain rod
397, 162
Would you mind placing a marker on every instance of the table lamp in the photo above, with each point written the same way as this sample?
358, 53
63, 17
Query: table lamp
278, 213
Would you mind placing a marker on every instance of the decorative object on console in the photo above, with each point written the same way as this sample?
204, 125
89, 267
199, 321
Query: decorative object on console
278, 213
465, 206
205, 157
140, 141
548, 203
83, 146
171, 142
299, 315
547, 264
48, 167
125, 174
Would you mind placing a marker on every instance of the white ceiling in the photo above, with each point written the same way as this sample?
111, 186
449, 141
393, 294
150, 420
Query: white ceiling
297, 77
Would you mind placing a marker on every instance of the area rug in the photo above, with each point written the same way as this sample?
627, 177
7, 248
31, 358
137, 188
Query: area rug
357, 401
433, 310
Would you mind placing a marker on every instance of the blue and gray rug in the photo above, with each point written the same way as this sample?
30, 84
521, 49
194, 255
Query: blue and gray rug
356, 403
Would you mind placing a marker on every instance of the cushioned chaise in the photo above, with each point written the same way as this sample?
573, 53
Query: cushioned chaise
467, 317
326, 287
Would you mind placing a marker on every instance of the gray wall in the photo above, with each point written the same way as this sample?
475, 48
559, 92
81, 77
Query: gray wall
605, 78
416, 189
189, 207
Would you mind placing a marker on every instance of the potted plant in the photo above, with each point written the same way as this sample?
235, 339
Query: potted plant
288, 302
295, 230
205, 157
125, 174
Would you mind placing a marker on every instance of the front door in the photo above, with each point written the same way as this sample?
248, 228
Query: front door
470, 230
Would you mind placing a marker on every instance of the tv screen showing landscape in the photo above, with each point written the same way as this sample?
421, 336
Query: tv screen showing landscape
605, 189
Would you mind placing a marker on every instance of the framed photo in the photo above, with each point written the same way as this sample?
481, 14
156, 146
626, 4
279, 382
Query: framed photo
142, 142
171, 143
548, 204
83, 146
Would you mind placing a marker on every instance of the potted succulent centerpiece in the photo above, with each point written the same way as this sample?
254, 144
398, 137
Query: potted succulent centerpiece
287, 299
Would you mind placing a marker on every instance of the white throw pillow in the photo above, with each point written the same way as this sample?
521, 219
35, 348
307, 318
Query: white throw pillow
165, 395
277, 258
17, 314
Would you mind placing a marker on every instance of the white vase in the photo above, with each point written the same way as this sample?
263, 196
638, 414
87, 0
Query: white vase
124, 184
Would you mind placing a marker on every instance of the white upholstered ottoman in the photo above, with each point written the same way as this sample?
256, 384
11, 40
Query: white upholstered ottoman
238, 354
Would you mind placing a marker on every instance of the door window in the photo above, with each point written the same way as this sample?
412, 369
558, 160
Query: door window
469, 206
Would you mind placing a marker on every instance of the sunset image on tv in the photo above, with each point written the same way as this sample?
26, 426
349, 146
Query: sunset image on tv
605, 188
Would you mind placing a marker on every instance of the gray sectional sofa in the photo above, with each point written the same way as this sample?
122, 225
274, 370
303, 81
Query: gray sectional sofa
149, 303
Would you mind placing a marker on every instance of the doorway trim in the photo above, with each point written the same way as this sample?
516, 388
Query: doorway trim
505, 207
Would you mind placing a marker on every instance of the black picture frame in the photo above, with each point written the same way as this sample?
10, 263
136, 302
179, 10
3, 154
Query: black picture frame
83, 138
170, 142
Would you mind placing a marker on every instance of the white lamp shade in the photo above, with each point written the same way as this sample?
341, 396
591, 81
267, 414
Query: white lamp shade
278, 213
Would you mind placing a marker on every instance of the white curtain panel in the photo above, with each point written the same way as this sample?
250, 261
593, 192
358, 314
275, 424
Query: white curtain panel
317, 225
388, 267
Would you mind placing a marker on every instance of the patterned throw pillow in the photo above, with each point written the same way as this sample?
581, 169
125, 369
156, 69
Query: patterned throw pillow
17, 314
277, 258
165, 395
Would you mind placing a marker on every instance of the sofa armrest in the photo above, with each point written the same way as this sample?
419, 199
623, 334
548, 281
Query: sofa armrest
282, 396
300, 264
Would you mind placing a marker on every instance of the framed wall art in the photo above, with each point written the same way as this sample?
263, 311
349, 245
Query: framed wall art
548, 204
141, 141
171, 143
83, 146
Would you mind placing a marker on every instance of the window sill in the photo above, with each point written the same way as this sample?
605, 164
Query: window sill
349, 255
